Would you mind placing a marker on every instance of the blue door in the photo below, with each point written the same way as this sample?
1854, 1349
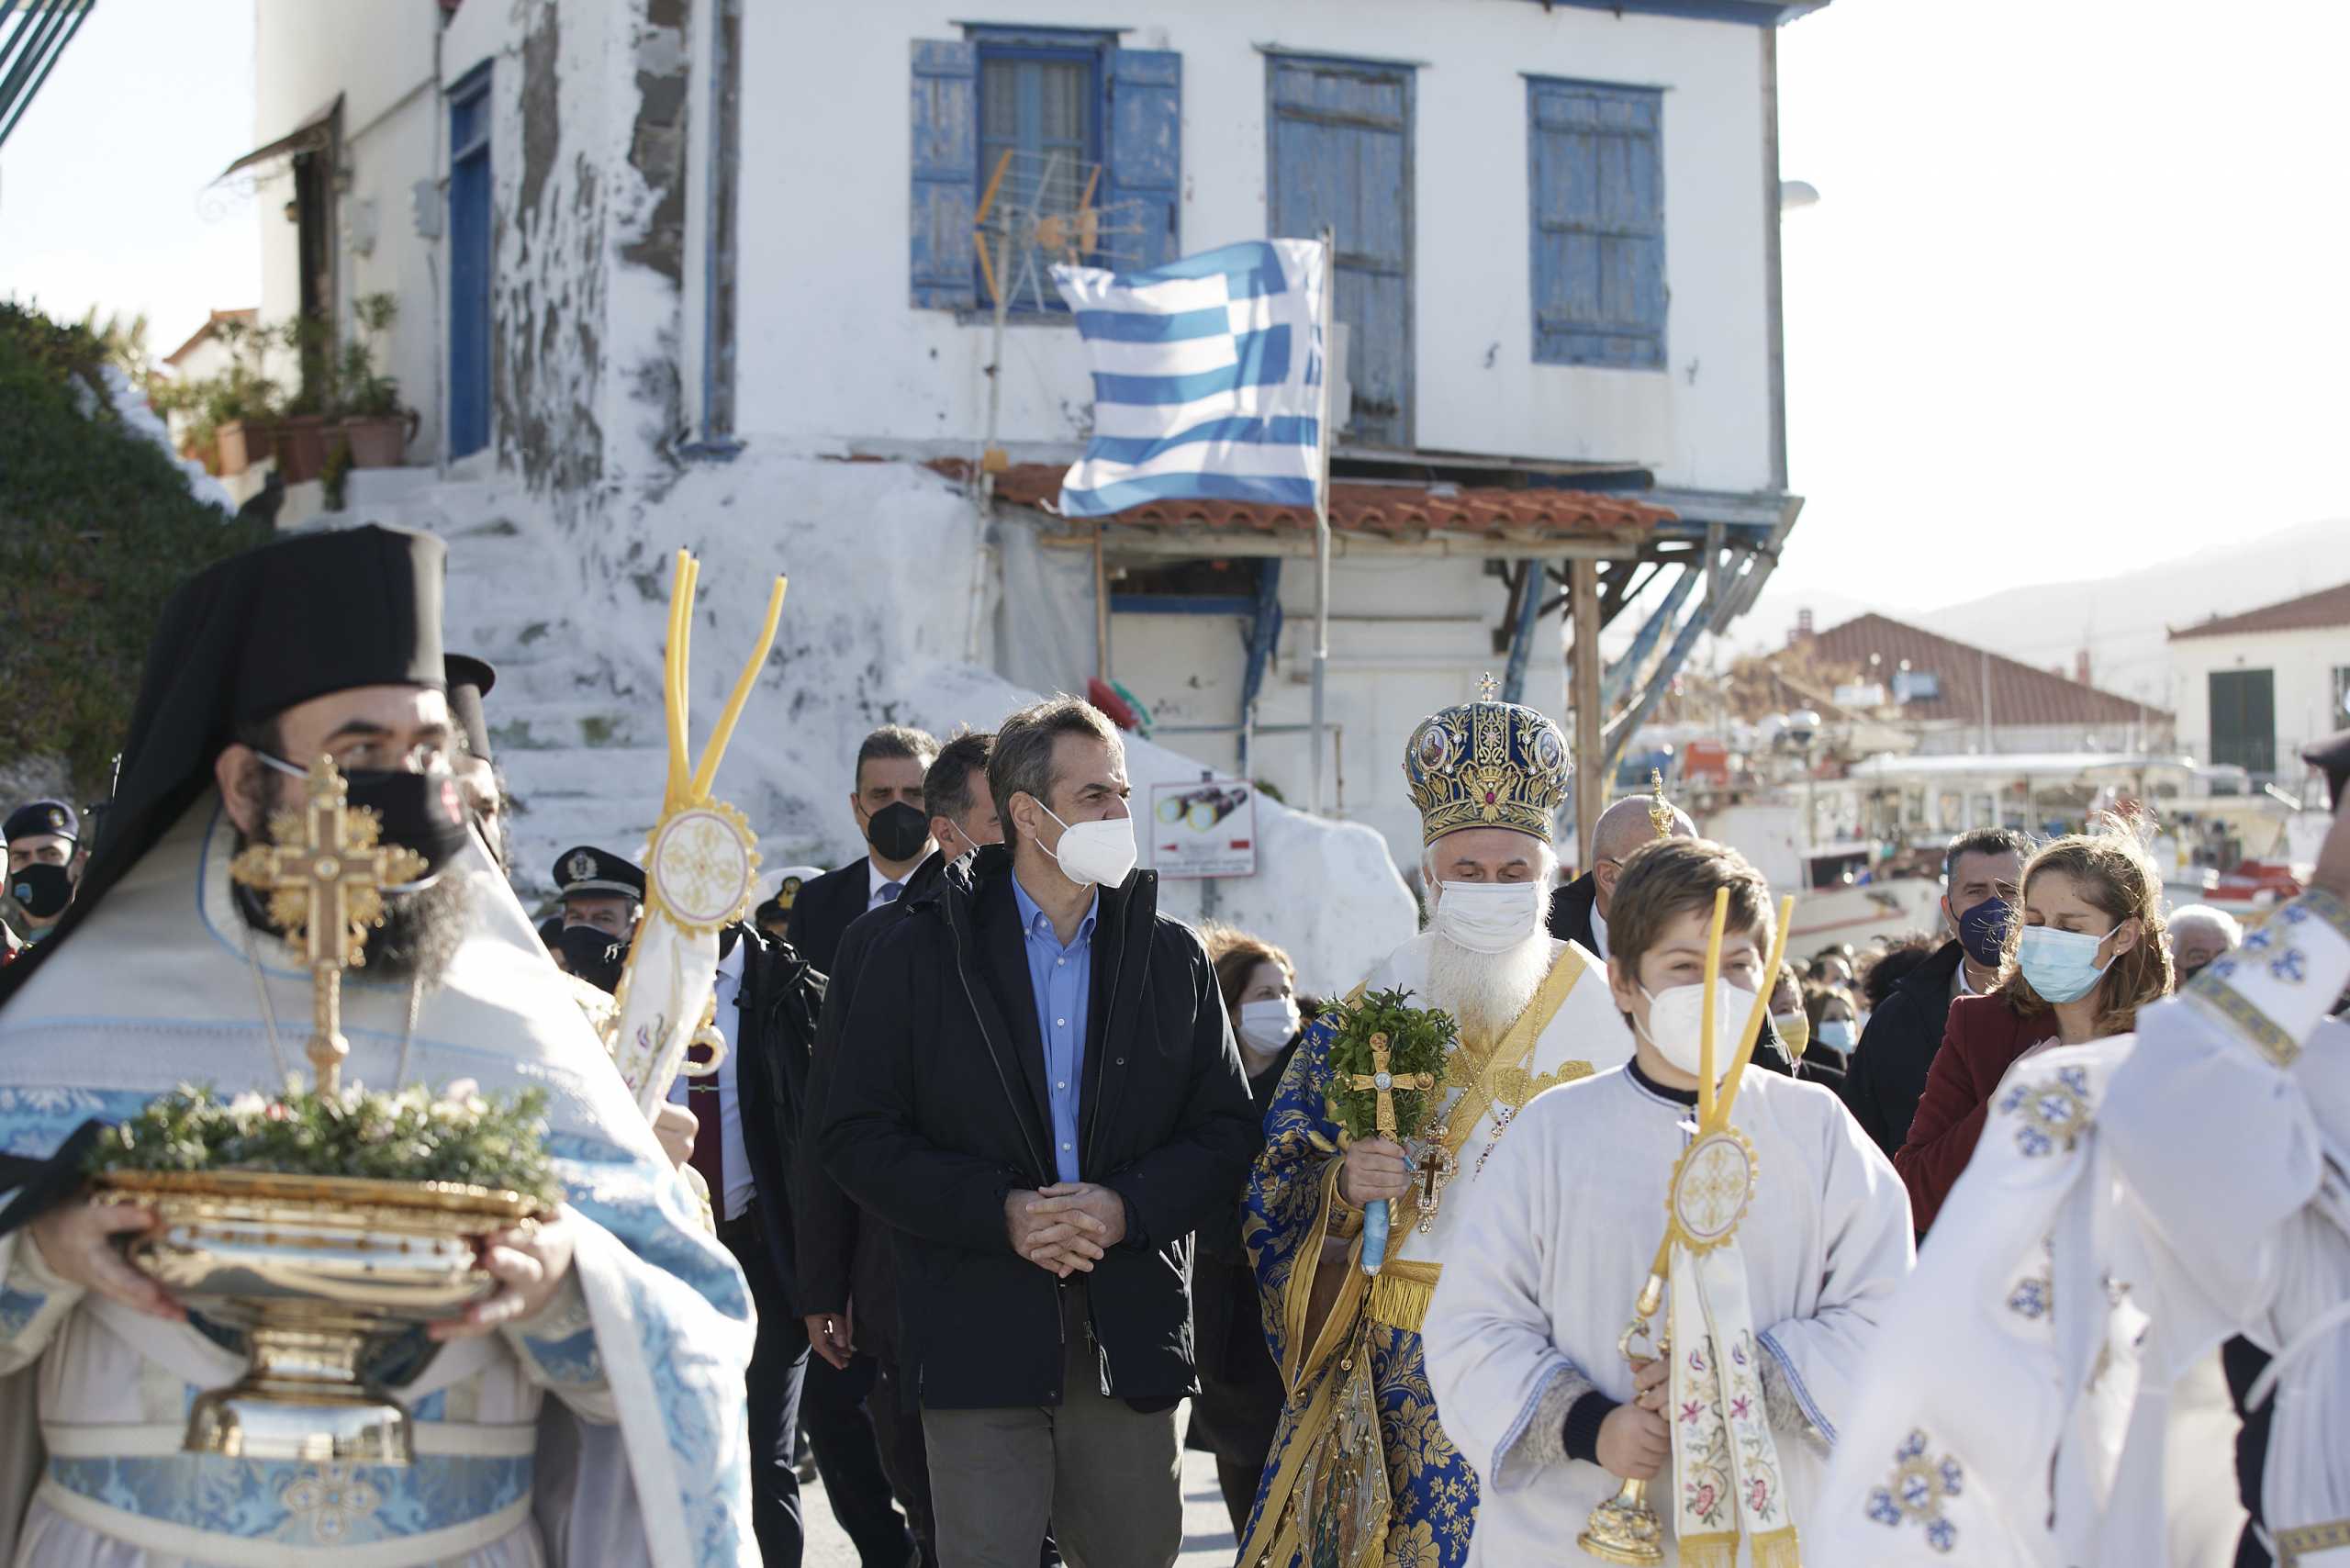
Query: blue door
469, 263
1340, 157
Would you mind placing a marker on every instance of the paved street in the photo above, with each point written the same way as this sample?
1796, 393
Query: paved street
1207, 1530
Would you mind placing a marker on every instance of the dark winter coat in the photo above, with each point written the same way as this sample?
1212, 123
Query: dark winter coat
1887, 1072
938, 1111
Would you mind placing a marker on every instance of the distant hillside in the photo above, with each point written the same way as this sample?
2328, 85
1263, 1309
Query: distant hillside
2123, 621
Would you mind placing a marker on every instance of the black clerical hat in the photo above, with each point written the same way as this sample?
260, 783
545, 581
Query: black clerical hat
2333, 757
42, 817
470, 681
585, 870
242, 642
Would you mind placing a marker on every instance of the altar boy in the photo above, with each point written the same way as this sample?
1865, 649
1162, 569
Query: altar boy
1522, 1336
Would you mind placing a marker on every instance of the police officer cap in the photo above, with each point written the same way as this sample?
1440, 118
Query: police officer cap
2333, 757
586, 869
41, 817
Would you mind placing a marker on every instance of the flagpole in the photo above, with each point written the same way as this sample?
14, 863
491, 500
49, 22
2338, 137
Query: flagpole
1322, 505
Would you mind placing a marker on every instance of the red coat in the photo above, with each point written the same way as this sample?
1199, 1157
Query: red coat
1982, 1038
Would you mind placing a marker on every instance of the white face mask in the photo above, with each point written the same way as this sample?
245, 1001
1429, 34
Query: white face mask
1102, 853
1267, 1026
1490, 917
1676, 1025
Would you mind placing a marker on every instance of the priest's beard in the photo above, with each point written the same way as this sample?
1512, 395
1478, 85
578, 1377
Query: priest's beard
421, 931
1485, 992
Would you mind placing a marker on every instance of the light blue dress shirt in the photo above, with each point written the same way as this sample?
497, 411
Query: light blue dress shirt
1061, 979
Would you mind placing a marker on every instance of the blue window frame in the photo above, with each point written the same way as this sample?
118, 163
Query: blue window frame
470, 262
1040, 102
1596, 165
1035, 93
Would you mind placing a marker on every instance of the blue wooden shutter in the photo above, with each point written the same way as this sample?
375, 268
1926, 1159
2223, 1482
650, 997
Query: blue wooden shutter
1143, 147
1595, 166
946, 173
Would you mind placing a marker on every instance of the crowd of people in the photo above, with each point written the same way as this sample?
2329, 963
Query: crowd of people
1011, 1185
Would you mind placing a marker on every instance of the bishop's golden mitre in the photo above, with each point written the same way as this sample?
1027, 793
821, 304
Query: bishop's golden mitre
1487, 764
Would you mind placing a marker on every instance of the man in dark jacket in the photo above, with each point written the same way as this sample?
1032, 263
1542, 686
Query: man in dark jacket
848, 1281
1579, 910
1038, 1089
1887, 1072
887, 803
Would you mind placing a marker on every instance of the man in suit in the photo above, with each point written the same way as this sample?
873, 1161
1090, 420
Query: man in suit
836, 1405
887, 804
748, 1115
1579, 910
1039, 1094
848, 1281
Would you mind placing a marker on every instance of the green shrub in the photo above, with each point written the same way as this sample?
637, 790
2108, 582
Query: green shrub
96, 527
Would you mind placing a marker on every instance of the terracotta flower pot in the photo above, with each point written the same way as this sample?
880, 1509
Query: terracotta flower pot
377, 442
243, 442
301, 447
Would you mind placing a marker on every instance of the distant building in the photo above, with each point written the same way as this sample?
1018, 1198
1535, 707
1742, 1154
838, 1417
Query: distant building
1953, 698
2253, 689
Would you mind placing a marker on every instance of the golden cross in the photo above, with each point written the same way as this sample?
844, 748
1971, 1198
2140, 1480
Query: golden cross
1488, 689
1386, 1083
325, 875
1660, 808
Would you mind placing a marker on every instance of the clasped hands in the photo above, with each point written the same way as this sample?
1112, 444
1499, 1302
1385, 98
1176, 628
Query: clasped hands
1067, 1227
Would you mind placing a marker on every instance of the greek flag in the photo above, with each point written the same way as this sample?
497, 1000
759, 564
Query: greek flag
1207, 378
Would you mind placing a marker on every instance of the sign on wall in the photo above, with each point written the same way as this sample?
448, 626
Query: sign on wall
1203, 829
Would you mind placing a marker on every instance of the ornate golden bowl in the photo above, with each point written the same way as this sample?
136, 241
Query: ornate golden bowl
319, 1271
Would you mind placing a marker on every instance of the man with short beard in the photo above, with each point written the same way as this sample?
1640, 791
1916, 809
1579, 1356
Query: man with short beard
1533, 1012
610, 1313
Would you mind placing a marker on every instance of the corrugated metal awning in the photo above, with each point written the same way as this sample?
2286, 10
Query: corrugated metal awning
29, 48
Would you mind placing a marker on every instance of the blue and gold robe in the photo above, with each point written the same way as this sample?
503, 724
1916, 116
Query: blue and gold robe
1363, 1362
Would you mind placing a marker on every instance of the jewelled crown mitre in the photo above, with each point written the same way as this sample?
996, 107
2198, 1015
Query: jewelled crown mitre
1487, 764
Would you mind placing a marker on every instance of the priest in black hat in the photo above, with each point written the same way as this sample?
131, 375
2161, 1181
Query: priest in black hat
471, 679
163, 972
44, 841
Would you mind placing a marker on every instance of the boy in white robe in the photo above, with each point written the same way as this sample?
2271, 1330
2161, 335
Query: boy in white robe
1521, 1339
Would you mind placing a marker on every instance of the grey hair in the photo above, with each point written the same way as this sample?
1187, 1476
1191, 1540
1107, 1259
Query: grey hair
1022, 761
2220, 919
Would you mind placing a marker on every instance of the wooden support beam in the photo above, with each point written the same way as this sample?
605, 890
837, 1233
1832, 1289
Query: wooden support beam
1591, 766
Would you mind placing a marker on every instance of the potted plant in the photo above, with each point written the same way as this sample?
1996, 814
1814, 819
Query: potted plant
235, 412
377, 427
301, 431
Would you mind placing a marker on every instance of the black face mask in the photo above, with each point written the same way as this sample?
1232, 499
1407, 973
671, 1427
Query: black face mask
897, 831
424, 812
43, 890
594, 955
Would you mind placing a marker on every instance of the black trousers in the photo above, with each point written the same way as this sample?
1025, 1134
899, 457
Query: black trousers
779, 1364
898, 1426
834, 1408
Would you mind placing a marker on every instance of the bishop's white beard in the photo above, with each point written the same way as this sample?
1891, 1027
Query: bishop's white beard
1486, 991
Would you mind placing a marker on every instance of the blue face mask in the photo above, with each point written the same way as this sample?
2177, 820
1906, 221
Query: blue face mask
1983, 931
2061, 966
1838, 1034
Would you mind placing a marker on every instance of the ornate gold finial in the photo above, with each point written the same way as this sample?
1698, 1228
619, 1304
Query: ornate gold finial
1488, 689
1660, 808
325, 875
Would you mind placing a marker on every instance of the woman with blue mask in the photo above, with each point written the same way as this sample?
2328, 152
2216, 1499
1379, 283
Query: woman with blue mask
2090, 950
1833, 1016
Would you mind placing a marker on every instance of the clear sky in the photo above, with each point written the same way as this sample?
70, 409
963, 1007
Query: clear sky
2073, 295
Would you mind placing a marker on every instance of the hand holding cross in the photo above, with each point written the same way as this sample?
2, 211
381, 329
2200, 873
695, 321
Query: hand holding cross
325, 875
1386, 1083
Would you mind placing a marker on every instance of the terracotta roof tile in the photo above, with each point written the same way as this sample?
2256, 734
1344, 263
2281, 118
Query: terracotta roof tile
2325, 608
1395, 511
2021, 694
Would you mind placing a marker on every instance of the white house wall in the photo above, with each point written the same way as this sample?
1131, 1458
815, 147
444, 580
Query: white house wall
2303, 662
833, 348
380, 59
